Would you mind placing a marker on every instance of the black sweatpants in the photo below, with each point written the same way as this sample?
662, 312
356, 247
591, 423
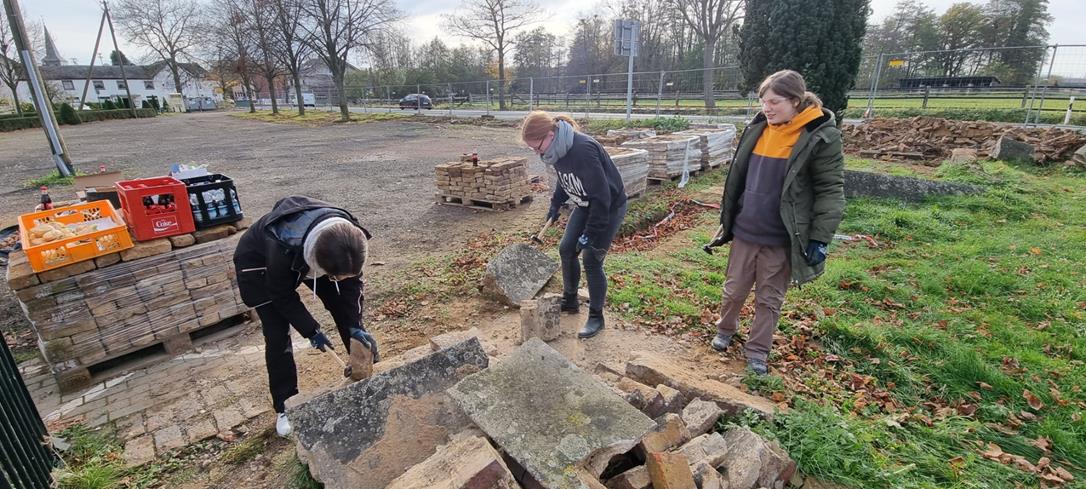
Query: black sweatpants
593, 259
345, 305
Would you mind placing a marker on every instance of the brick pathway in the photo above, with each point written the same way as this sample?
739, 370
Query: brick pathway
168, 405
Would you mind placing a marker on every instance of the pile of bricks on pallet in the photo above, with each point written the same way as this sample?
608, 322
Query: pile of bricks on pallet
633, 165
932, 138
155, 293
616, 137
495, 181
716, 146
669, 155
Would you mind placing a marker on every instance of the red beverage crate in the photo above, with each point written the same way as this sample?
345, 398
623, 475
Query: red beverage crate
156, 207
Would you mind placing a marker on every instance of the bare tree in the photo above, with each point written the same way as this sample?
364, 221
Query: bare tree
493, 22
230, 41
336, 27
261, 22
169, 28
10, 68
290, 47
711, 20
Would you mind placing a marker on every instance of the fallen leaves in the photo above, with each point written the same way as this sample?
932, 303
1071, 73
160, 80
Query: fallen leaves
1035, 403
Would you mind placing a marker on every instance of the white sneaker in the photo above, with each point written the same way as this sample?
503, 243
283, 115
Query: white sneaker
282, 425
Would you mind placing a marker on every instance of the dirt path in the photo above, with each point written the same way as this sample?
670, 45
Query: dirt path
382, 172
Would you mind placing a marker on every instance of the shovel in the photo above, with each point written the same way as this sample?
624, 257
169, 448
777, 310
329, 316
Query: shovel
538, 238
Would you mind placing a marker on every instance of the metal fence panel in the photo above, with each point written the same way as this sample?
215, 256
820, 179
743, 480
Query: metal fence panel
25, 460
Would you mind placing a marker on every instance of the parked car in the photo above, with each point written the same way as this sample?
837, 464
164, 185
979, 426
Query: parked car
412, 101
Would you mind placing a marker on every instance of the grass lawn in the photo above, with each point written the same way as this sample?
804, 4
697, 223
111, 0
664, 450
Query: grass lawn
948, 352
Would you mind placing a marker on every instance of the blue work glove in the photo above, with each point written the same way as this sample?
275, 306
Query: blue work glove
320, 341
816, 252
368, 340
553, 214
582, 242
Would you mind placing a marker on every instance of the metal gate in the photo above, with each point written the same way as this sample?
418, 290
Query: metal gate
25, 460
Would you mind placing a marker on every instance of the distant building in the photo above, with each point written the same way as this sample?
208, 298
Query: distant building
315, 77
950, 82
106, 82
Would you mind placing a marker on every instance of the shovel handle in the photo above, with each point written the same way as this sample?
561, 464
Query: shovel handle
546, 226
334, 355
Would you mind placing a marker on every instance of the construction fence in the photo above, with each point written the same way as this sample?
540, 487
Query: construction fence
1038, 84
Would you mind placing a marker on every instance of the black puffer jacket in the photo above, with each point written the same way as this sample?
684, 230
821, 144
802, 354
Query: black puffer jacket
271, 265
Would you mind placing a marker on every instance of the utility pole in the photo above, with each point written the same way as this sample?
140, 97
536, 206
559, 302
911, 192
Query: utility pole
90, 69
37, 89
120, 59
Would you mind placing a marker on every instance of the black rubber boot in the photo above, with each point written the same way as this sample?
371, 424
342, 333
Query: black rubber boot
571, 303
593, 326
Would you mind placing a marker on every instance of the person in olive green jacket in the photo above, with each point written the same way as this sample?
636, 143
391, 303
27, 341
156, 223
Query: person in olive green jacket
783, 199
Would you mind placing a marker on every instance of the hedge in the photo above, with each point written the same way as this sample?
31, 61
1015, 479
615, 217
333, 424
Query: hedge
16, 123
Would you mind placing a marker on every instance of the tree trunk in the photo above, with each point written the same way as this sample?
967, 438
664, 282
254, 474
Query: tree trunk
15, 97
176, 77
338, 76
501, 79
249, 94
707, 74
271, 93
298, 93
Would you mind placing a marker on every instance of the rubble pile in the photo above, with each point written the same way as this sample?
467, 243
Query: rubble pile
930, 138
446, 417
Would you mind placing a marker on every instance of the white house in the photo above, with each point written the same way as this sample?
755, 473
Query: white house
106, 82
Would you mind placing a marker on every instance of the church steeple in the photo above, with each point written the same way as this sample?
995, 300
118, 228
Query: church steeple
52, 57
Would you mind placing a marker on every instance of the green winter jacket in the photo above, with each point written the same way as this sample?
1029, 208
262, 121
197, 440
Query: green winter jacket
813, 196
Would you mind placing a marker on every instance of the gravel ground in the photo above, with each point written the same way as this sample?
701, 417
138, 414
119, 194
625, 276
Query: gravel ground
382, 172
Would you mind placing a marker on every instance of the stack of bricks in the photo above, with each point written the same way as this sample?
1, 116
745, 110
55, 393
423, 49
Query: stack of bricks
715, 146
633, 166
496, 181
156, 293
669, 155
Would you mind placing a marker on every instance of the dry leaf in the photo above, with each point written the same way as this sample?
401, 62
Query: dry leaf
1042, 443
1065, 475
984, 386
1035, 251
993, 452
777, 397
1034, 402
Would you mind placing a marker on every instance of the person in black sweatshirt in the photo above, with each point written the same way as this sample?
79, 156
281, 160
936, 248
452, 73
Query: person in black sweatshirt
302, 240
588, 177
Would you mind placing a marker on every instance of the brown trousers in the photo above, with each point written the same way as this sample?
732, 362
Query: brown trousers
768, 267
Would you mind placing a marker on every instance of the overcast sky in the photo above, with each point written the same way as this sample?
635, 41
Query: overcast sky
74, 23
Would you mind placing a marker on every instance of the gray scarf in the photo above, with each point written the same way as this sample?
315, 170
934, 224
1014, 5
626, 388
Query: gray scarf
563, 140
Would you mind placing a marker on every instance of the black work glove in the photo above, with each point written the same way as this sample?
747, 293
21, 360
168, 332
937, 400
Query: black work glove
367, 340
816, 252
320, 341
552, 215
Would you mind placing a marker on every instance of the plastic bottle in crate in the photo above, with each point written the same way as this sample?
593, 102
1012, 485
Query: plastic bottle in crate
195, 203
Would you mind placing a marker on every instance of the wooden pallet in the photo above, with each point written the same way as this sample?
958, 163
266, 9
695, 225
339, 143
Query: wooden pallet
159, 349
479, 204
674, 178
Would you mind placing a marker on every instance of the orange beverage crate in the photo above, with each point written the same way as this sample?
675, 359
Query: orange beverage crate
111, 237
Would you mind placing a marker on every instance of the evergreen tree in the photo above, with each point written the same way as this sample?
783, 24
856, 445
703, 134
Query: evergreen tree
821, 39
68, 115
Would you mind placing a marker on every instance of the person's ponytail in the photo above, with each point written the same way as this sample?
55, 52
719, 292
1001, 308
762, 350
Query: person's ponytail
808, 100
569, 120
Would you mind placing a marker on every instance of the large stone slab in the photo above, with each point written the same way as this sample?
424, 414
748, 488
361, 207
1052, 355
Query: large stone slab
550, 416
370, 432
652, 369
870, 184
518, 273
